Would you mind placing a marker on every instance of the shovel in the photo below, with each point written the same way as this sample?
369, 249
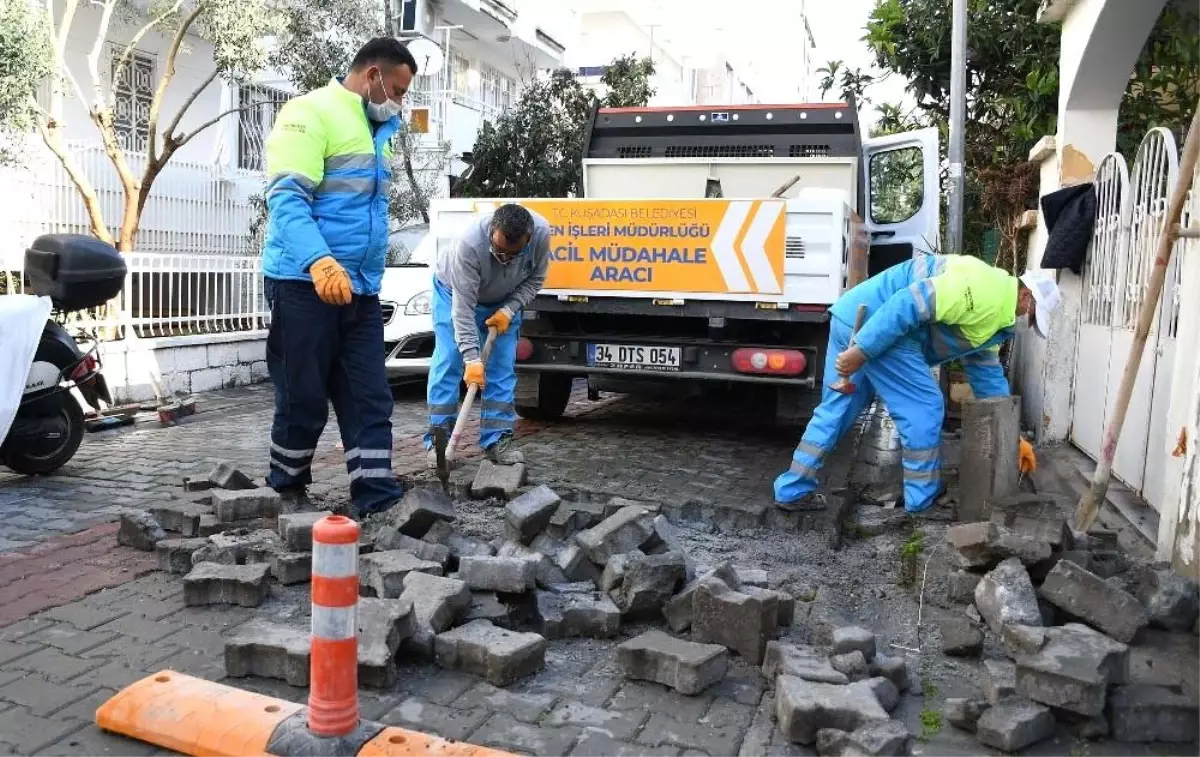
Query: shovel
472, 390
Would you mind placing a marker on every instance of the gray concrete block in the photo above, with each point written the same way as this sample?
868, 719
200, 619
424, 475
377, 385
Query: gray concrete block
685, 666
756, 577
960, 637
1159, 658
879, 737
529, 514
801, 661
1072, 671
512, 575
437, 603
485, 605
851, 664
849, 638
884, 690
990, 431
567, 558
804, 707
971, 544
420, 509
1035, 516
742, 622
1018, 639
1090, 598
296, 530
964, 713
614, 573
501, 481
459, 545
895, 669
1144, 714
382, 625
181, 517
175, 555
546, 572
999, 680
389, 538
243, 504
563, 615
1006, 595
383, 573
787, 603
215, 583
139, 530
240, 547
290, 568
1172, 602
620, 533
227, 476
196, 484
1014, 724
572, 517
496, 654
960, 586
269, 650
649, 582
831, 742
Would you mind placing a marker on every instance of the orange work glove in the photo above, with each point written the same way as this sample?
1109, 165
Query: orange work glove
331, 281
500, 320
474, 374
1026, 460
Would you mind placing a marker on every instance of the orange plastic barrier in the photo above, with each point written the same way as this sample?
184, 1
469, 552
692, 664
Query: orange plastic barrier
397, 742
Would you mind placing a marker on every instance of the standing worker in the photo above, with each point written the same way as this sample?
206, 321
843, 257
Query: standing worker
920, 313
329, 157
492, 273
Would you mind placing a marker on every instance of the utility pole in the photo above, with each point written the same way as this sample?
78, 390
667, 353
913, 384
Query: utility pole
958, 117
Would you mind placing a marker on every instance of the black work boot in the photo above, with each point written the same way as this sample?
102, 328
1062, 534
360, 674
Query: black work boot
502, 453
809, 502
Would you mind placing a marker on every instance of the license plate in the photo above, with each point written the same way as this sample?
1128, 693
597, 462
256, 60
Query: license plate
633, 357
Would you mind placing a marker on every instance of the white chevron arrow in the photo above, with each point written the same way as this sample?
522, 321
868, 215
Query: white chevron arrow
754, 247
725, 250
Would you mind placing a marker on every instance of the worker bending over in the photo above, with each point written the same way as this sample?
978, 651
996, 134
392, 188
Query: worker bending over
493, 272
920, 313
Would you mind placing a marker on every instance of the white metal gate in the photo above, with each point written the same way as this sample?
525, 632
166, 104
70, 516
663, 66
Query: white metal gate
1131, 210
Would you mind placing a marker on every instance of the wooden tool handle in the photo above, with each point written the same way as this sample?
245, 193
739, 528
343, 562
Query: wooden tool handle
472, 390
859, 317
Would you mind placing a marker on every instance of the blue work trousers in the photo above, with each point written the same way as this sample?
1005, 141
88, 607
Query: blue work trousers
902, 379
318, 353
498, 414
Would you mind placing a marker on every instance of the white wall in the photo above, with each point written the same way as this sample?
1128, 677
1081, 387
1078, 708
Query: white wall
608, 35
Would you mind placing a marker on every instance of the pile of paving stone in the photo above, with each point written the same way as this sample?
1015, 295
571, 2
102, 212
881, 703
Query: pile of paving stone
1091, 641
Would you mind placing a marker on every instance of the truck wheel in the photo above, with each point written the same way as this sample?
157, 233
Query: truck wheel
543, 396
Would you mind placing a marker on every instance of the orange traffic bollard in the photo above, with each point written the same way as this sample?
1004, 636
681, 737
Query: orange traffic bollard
333, 677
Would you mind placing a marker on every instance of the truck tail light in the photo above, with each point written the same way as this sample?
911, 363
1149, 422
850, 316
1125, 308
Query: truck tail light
771, 362
524, 349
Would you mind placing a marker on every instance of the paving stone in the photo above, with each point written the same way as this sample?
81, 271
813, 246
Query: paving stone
140, 629
564, 615
269, 650
964, 713
1035, 517
213, 583
382, 625
40, 696
742, 622
529, 514
55, 666
181, 517
1014, 724
852, 664
801, 661
591, 686
614, 573
485, 605
688, 667
496, 654
546, 573
30, 734
91, 741
290, 568
831, 742
1006, 595
420, 509
502, 481
1090, 598
1073, 669
661, 730
140, 530
428, 717
1018, 639
1172, 602
895, 669
572, 517
233, 505
598, 744
240, 547
999, 680
437, 603
620, 533
960, 637
69, 639
849, 638
175, 555
756, 577
528, 708
383, 573
618, 725
568, 559
227, 476
389, 538
804, 707
971, 544
506, 732
960, 586
884, 690
1143, 714
649, 582
296, 530
513, 575
879, 738
678, 609
1159, 658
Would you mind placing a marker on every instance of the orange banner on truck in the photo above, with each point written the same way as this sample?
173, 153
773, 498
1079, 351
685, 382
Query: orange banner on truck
722, 246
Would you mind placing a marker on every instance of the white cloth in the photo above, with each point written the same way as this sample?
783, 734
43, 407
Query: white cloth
22, 319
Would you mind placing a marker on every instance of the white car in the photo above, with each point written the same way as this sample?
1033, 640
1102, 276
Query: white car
406, 297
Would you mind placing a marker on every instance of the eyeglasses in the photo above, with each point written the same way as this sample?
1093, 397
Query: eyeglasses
505, 256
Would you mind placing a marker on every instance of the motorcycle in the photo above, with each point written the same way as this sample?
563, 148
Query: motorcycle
43, 429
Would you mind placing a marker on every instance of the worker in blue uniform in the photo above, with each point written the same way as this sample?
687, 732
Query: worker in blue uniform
920, 313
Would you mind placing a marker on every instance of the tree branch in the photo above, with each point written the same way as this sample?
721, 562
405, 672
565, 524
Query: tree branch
49, 131
169, 132
93, 58
188, 137
167, 75
128, 53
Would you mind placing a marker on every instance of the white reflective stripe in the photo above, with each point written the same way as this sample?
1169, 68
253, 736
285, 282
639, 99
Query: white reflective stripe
334, 623
370, 473
368, 454
298, 453
289, 469
334, 560
922, 304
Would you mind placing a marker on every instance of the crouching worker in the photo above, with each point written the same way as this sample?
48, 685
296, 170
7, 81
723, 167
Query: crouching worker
490, 275
920, 313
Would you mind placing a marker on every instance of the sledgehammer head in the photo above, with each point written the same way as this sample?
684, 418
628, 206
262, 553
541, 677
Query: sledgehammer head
844, 386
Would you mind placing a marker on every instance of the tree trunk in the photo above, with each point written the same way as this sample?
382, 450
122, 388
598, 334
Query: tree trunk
421, 202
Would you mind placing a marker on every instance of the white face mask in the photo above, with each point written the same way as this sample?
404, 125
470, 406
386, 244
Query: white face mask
383, 111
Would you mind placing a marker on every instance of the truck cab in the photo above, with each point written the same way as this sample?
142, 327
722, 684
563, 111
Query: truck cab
708, 247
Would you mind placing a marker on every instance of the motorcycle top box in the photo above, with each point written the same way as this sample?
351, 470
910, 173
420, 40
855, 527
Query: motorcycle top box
75, 271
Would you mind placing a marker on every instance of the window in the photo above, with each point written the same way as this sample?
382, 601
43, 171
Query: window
408, 15
508, 93
133, 94
897, 184
460, 70
261, 105
490, 82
